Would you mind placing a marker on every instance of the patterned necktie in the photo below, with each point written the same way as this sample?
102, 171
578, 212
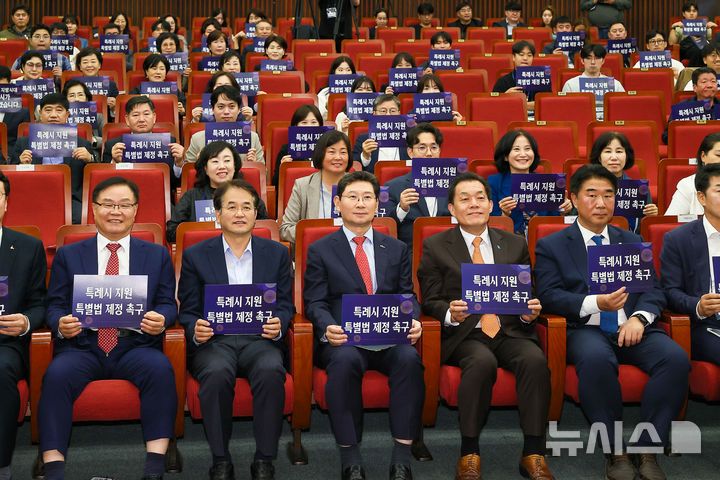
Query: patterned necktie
489, 323
363, 264
108, 337
608, 320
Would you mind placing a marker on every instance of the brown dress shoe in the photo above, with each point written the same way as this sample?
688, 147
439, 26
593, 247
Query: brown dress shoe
619, 467
468, 467
649, 468
535, 467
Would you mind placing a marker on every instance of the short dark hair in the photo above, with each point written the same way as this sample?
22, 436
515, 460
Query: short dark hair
216, 35
5, 73
207, 23
513, 6
504, 147
440, 35
6, 183
113, 181
221, 190
359, 176
59, 26
303, 111
379, 10
425, 8
277, 39
162, 23
386, 97
707, 144
230, 53
339, 61
167, 35
414, 133
688, 5
654, 33
39, 26
712, 47
138, 100
427, 78
114, 17
359, 81
153, 60
17, 8
460, 5
593, 49
213, 80
620, 22
55, 99
218, 11
467, 177
604, 140
170, 15
110, 26
403, 56
327, 139
561, 19
701, 71
74, 82
212, 150
255, 11
25, 57
88, 52
588, 171
231, 93
703, 175
521, 45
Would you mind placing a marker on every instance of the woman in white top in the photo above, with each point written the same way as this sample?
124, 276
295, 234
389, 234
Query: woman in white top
684, 200
342, 65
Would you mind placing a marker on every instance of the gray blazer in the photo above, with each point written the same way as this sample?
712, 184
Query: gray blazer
303, 203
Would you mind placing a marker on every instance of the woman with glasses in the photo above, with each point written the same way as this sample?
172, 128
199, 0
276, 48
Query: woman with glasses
367, 152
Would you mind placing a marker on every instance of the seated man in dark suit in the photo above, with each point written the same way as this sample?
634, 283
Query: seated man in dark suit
479, 344
513, 11
83, 355
22, 310
54, 109
12, 120
465, 20
359, 260
366, 150
405, 204
606, 330
688, 276
237, 257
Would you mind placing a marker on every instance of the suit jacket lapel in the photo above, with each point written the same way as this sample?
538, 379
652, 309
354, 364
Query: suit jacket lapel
458, 248
216, 259
381, 259
575, 246
259, 261
313, 196
7, 253
700, 248
89, 259
137, 257
345, 255
500, 253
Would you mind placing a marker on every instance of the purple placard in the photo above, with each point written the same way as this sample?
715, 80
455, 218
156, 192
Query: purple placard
110, 301
52, 140
692, 110
661, 59
207, 115
115, 43
249, 82
534, 79
384, 319
430, 107
276, 65
38, 87
631, 197
341, 83
715, 269
536, 192
209, 64
146, 147
51, 59
383, 202
152, 47
258, 45
628, 265
359, 106
696, 27
570, 41
403, 80
432, 176
4, 293
178, 61
623, 47
598, 86
203, 44
99, 85
62, 43
503, 289
10, 99
158, 88
390, 130
83, 112
235, 133
444, 59
302, 140
204, 211
239, 309
249, 30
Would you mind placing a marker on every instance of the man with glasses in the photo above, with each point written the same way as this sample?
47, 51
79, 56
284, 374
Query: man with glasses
655, 42
356, 259
82, 355
366, 150
40, 41
237, 257
405, 204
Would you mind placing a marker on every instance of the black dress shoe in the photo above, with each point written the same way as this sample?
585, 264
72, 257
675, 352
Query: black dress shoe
262, 470
353, 472
173, 458
222, 471
400, 472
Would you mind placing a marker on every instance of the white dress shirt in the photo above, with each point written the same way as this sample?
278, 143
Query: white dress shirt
239, 269
103, 254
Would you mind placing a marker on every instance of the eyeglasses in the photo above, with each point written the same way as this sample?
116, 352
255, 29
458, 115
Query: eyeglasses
388, 111
233, 209
41, 37
423, 149
33, 65
656, 42
112, 206
364, 199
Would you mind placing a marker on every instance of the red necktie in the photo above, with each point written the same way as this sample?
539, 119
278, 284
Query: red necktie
363, 264
489, 323
108, 337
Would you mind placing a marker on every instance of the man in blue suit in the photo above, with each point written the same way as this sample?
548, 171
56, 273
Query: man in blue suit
357, 259
366, 150
687, 276
405, 204
22, 310
606, 330
237, 257
83, 355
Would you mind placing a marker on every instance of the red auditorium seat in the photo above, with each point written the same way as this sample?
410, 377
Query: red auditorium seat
469, 139
502, 108
557, 141
289, 172
670, 172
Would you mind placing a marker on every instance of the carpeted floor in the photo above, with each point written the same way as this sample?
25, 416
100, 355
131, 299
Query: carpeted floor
116, 451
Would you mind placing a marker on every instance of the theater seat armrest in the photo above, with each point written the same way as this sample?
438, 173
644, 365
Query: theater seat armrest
555, 349
300, 346
678, 327
41, 352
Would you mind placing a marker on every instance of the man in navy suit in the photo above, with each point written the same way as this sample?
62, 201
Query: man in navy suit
687, 276
513, 10
405, 204
82, 355
22, 310
237, 257
357, 259
606, 330
366, 150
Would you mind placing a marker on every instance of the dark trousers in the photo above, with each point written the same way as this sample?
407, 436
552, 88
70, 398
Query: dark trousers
597, 361
479, 357
216, 365
345, 366
705, 345
12, 369
71, 370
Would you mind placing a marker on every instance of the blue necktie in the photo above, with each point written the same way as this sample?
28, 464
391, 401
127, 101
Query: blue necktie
608, 320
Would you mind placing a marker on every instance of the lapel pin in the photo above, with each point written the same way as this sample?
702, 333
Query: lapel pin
12, 247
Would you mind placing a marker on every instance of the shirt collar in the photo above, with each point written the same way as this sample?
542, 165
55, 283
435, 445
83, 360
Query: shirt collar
709, 229
587, 234
103, 242
227, 249
469, 237
350, 235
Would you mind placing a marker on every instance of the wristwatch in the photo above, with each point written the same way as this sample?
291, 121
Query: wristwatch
643, 319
